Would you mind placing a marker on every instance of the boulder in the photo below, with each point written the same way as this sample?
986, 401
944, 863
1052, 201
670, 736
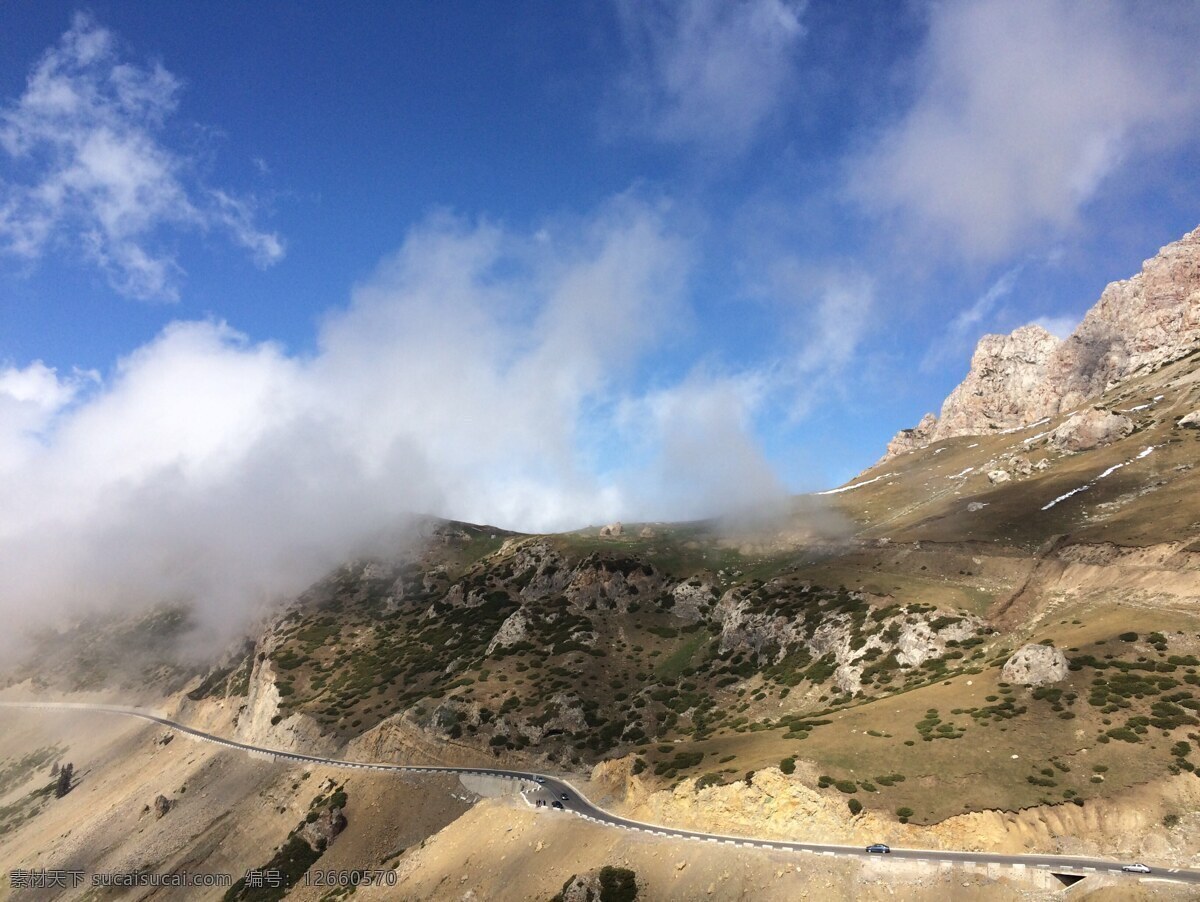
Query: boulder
1089, 429
996, 477
612, 529
161, 806
322, 831
1191, 421
581, 888
606, 883
1035, 665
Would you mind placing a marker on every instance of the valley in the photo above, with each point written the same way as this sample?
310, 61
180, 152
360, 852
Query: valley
989, 642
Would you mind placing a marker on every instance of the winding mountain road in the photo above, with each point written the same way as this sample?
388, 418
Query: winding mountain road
551, 788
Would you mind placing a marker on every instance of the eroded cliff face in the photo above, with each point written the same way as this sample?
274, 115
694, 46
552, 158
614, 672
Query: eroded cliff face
1006, 384
772, 804
1018, 379
1137, 324
262, 723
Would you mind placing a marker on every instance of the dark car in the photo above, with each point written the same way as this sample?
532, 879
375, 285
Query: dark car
557, 803
565, 797
879, 848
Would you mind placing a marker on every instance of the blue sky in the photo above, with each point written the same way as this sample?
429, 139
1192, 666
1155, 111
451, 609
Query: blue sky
536, 263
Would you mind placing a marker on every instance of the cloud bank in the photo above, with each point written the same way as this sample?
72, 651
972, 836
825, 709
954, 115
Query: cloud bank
92, 175
1021, 112
475, 375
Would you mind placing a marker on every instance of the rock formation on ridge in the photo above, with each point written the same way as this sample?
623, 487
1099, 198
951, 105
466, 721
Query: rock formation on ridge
1018, 379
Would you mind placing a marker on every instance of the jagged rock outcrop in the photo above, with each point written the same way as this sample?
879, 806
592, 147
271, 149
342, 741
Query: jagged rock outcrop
1035, 665
1007, 380
692, 601
1018, 379
911, 439
263, 722
1089, 429
161, 806
543, 570
514, 629
599, 582
1137, 324
770, 637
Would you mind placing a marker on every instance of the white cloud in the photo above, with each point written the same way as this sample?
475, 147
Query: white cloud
477, 374
29, 399
706, 72
827, 314
965, 327
697, 437
88, 168
1022, 111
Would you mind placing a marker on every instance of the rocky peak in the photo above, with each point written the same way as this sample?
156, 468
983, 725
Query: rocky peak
1007, 373
1017, 379
1137, 324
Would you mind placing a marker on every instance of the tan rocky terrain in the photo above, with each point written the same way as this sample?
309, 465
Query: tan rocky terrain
989, 640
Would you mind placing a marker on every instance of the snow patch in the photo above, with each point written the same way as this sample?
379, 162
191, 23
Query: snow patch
1023, 428
857, 485
1083, 488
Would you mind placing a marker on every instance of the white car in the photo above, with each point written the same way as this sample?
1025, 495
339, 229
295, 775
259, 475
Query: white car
1138, 868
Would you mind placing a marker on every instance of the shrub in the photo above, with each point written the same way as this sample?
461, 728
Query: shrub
904, 812
846, 786
617, 884
788, 765
855, 806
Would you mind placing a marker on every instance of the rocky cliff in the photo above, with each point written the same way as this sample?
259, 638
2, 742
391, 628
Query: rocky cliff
1006, 387
1137, 325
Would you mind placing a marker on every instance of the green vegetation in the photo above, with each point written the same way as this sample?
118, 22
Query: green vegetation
616, 885
292, 860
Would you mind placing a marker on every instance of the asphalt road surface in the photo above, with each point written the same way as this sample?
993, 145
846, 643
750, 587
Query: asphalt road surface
548, 788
